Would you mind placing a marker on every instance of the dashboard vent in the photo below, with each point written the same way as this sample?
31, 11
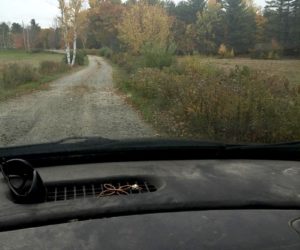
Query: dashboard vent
61, 192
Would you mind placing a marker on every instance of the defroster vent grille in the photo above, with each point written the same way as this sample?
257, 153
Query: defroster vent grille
72, 191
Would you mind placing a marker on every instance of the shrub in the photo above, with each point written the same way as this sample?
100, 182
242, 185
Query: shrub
196, 99
106, 52
155, 56
80, 57
266, 51
224, 52
94, 52
127, 61
120, 59
16, 74
50, 67
35, 51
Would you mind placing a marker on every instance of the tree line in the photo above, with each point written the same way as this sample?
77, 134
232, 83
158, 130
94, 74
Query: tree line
29, 36
196, 26
192, 26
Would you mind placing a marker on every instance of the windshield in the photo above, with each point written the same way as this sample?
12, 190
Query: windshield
216, 70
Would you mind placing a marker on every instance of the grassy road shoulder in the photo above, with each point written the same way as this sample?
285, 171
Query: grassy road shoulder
22, 72
194, 98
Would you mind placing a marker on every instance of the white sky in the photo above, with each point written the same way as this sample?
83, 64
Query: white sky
43, 11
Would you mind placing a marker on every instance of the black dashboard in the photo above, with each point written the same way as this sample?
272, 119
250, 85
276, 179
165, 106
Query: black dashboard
191, 204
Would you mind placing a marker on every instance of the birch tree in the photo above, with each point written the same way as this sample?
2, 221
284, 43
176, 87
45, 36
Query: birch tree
64, 21
70, 22
75, 7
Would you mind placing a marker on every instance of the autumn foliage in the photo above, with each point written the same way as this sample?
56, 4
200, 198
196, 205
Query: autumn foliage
143, 24
194, 99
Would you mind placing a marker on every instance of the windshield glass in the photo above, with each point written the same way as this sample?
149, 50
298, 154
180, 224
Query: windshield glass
219, 70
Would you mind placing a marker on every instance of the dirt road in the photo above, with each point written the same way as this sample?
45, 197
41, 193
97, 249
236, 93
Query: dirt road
81, 104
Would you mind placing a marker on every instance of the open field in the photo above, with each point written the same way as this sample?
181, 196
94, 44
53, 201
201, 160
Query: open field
27, 66
288, 67
16, 56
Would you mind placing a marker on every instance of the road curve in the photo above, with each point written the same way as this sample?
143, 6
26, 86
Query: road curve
80, 104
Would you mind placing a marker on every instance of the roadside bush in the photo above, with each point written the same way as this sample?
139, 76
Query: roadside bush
127, 61
197, 100
50, 67
120, 59
155, 56
106, 52
94, 52
16, 74
80, 57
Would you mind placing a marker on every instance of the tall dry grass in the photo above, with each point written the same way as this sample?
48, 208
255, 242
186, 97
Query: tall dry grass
198, 100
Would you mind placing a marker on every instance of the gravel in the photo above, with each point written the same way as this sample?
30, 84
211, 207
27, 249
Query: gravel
81, 104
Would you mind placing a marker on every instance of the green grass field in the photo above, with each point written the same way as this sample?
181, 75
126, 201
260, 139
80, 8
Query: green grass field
286, 67
16, 56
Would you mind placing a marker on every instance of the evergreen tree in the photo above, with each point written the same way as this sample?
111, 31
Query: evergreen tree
4, 36
240, 25
16, 28
187, 10
295, 27
34, 33
280, 23
210, 28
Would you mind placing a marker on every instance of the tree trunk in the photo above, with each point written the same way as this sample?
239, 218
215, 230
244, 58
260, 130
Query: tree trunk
74, 48
68, 54
3, 39
83, 41
24, 37
28, 41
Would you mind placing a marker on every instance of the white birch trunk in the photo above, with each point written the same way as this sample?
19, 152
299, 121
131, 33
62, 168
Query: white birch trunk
74, 47
68, 54
64, 26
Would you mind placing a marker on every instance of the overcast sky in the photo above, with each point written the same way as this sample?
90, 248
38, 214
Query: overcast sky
43, 11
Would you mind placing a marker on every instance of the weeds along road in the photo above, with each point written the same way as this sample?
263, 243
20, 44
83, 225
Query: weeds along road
80, 104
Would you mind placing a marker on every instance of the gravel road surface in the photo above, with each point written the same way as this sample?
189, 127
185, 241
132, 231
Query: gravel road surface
80, 104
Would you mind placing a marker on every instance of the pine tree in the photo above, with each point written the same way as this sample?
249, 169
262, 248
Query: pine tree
295, 27
4, 36
187, 10
240, 25
210, 28
279, 27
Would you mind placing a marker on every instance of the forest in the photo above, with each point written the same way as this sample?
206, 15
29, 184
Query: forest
224, 27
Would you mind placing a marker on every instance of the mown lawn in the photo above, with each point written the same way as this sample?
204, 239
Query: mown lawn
19, 56
285, 67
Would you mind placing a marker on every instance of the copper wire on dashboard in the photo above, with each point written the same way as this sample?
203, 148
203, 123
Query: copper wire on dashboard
110, 189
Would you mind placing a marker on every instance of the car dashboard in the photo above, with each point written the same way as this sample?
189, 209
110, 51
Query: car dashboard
181, 204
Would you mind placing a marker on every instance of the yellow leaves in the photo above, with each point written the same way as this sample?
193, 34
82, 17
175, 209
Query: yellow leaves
143, 23
222, 50
93, 3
